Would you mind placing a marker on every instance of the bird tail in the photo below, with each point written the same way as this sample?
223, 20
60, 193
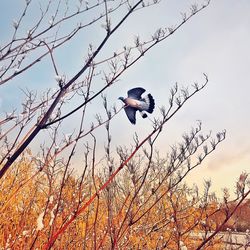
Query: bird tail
151, 103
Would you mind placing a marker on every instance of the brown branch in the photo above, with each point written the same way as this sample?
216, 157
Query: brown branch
45, 118
124, 163
126, 66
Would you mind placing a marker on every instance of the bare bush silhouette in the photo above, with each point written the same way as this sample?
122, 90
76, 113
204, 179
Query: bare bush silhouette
138, 199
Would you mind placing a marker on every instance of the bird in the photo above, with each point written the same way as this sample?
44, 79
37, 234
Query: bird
134, 102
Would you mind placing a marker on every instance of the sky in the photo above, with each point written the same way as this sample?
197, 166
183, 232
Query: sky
215, 42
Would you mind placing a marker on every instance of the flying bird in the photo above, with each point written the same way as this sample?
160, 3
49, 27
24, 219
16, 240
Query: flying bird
135, 102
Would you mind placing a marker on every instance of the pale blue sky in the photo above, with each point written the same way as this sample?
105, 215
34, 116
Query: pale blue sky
216, 42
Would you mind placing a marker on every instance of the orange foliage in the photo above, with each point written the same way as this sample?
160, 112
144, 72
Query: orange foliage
152, 219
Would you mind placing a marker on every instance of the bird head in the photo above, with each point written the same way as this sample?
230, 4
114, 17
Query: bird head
121, 98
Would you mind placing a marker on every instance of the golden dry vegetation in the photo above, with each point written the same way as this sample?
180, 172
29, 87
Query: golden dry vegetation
35, 205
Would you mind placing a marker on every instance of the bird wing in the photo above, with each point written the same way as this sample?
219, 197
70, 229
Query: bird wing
130, 112
136, 93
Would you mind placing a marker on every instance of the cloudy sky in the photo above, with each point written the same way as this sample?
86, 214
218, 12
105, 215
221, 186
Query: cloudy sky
216, 42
